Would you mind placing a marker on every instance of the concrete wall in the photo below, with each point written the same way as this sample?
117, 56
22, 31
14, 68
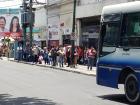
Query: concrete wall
66, 14
66, 17
94, 8
40, 17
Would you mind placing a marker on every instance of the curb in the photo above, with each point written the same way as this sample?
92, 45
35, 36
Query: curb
62, 69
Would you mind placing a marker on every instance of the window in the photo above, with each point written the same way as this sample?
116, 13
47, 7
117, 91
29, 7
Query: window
130, 36
109, 37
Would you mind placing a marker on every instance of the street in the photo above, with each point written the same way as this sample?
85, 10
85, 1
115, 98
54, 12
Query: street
23, 84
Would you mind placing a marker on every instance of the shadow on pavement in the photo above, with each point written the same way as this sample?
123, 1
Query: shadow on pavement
116, 97
5, 99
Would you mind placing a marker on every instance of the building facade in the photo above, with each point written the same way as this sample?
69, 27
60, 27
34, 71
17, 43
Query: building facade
39, 30
66, 14
88, 14
53, 23
57, 17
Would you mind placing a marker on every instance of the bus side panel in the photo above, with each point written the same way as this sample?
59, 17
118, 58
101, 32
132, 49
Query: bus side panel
108, 77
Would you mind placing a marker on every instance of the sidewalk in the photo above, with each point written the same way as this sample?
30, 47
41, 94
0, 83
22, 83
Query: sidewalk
80, 69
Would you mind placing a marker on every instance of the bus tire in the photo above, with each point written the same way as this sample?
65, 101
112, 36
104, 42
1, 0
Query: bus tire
131, 88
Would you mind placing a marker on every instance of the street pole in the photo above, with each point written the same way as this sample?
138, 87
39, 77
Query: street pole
73, 32
24, 41
23, 25
47, 27
31, 23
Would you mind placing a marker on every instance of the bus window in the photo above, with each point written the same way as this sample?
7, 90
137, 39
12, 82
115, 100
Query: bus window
131, 30
109, 38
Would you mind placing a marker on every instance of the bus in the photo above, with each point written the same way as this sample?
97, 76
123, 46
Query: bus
119, 49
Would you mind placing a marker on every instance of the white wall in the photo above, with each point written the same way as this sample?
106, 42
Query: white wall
40, 17
94, 8
54, 22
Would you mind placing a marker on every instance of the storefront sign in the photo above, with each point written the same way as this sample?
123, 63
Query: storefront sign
53, 43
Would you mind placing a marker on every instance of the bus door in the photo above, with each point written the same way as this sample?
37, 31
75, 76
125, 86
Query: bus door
107, 53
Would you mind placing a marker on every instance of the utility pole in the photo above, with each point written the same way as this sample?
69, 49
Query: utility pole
31, 22
73, 32
47, 27
23, 24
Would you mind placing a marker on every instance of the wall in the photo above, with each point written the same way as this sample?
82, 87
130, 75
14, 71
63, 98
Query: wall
66, 16
94, 8
40, 17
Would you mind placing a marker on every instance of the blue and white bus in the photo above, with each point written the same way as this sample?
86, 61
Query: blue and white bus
119, 48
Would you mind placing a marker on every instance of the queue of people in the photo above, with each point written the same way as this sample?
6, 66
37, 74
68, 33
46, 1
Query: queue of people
57, 56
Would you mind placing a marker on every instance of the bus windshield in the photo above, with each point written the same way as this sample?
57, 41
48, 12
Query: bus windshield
130, 36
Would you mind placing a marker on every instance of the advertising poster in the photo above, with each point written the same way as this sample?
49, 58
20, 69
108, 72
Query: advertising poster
10, 26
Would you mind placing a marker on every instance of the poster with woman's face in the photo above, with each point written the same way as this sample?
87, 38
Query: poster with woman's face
10, 26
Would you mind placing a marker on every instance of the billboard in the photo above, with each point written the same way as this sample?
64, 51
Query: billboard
10, 26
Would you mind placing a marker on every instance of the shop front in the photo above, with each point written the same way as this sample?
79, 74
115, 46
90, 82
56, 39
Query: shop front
53, 43
90, 32
66, 37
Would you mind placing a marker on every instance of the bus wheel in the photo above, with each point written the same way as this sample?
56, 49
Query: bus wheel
132, 88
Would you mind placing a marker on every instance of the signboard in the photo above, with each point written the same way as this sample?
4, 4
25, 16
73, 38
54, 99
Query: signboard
10, 26
53, 32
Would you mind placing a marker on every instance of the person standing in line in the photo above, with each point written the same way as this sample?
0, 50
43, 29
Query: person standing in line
61, 57
91, 52
68, 55
54, 55
75, 56
35, 51
57, 55
46, 56
20, 51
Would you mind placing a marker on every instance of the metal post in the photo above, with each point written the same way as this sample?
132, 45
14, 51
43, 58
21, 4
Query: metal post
47, 34
24, 40
23, 25
73, 32
8, 47
31, 23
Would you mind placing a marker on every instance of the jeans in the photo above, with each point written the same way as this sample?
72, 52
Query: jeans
90, 62
68, 61
19, 55
61, 61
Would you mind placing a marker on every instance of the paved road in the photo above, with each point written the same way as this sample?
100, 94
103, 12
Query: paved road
22, 84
